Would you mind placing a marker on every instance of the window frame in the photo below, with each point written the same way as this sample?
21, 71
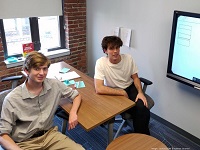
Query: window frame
34, 27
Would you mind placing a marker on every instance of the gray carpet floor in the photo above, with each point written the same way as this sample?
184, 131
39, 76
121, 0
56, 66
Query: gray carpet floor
96, 139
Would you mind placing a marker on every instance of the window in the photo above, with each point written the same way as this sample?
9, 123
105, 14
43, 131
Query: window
47, 33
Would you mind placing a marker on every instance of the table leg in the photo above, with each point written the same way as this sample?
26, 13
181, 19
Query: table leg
110, 130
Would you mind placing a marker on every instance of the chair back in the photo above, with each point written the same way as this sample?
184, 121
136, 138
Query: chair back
2, 96
150, 101
14, 80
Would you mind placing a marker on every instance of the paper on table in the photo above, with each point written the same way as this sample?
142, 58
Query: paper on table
69, 82
67, 76
80, 84
64, 70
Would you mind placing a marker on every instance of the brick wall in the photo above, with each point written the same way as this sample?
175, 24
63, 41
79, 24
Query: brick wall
75, 23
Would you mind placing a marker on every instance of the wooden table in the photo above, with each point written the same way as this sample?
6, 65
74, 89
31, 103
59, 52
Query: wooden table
136, 141
95, 109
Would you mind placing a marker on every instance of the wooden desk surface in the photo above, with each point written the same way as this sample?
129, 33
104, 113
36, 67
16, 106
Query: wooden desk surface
136, 141
95, 109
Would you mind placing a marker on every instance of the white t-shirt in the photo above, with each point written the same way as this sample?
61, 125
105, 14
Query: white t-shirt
116, 75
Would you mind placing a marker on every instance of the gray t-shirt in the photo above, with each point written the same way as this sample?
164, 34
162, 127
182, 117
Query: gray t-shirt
23, 114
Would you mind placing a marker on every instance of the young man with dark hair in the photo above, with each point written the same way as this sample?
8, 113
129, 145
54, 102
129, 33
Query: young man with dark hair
116, 74
28, 111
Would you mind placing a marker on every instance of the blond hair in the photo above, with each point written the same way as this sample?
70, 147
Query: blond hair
35, 59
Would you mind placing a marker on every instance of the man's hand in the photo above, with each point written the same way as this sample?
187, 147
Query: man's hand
73, 117
143, 98
73, 121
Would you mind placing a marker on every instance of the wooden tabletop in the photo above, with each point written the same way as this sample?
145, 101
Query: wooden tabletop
136, 141
95, 109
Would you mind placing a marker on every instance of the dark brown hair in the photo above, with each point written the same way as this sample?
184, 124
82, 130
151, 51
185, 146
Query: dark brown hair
112, 42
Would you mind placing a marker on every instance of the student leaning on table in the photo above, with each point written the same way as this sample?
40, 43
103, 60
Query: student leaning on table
119, 73
28, 111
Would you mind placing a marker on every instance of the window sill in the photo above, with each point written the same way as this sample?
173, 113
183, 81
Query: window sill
50, 55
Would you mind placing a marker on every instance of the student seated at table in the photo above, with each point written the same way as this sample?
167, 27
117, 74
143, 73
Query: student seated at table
116, 74
28, 111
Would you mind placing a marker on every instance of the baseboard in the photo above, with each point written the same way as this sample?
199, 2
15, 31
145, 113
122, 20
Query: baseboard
177, 129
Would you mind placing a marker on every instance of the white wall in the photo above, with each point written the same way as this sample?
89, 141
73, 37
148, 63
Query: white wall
151, 23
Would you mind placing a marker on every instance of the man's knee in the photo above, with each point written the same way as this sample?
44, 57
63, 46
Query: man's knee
141, 109
140, 104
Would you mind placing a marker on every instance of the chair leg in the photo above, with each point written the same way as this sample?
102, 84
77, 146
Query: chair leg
110, 130
64, 126
130, 123
120, 128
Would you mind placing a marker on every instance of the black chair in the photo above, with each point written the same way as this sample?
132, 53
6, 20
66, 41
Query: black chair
2, 96
64, 116
126, 117
13, 79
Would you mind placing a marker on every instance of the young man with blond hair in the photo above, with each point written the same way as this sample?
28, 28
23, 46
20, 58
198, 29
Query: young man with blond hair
28, 111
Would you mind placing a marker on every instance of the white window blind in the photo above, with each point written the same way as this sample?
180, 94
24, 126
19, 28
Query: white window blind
29, 8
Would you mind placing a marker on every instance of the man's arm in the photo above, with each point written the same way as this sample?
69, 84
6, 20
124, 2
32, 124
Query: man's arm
102, 89
73, 118
7, 143
138, 86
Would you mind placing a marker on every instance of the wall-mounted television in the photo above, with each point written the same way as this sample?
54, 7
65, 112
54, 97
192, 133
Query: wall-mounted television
184, 51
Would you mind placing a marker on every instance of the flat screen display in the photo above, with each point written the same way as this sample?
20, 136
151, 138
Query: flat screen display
184, 52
